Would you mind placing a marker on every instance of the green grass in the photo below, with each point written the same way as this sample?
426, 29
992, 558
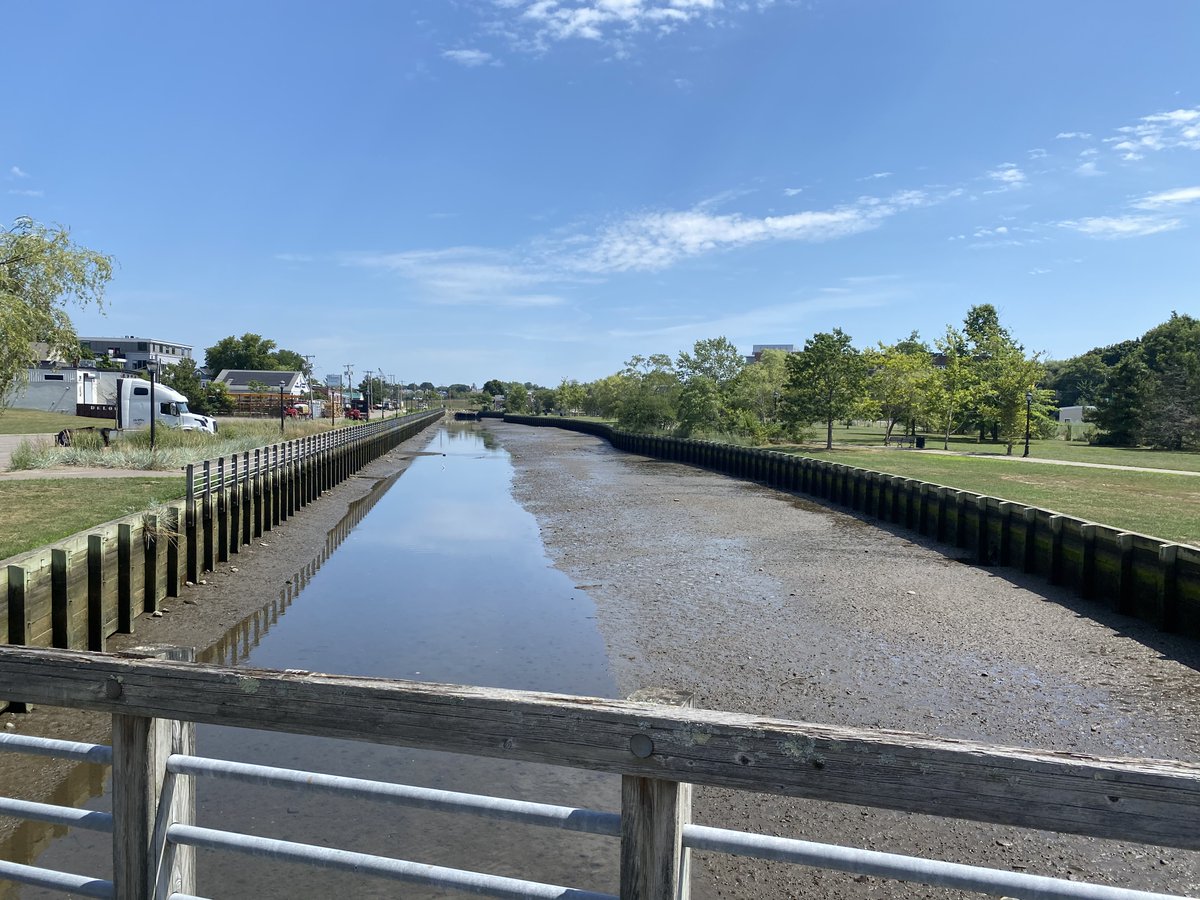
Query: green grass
1074, 451
39, 512
36, 421
1153, 503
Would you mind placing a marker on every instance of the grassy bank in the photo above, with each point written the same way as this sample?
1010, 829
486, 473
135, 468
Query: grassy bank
1154, 503
36, 513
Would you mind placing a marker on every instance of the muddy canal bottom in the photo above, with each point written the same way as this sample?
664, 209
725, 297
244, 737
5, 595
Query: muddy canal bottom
439, 575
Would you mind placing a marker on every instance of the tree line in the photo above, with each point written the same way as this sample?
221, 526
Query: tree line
975, 378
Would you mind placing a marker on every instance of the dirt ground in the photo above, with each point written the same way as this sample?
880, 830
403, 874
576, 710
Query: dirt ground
762, 602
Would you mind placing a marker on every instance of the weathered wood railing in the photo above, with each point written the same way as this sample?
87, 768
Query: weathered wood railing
77, 592
657, 749
1134, 574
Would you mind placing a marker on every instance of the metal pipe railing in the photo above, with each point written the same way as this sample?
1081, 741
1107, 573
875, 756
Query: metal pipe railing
377, 866
40, 746
905, 868
567, 818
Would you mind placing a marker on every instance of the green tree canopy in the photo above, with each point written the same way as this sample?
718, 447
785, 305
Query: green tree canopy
716, 359
825, 380
516, 397
250, 351
41, 270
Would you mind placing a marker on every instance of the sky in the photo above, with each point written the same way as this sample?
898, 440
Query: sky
532, 190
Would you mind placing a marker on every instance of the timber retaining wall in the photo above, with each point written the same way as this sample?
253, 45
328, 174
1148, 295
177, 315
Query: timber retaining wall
1134, 574
78, 592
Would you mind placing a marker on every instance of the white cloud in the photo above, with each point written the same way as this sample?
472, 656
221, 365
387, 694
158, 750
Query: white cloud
1088, 169
1036, 153
1169, 198
17, 172
294, 257
1040, 271
26, 193
792, 192
536, 24
876, 176
1178, 129
1008, 175
1067, 135
463, 276
1116, 227
656, 240
470, 58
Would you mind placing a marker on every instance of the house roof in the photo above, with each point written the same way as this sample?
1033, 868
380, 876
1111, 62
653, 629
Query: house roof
238, 380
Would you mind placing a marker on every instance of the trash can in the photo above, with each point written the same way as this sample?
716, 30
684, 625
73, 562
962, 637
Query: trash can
920, 442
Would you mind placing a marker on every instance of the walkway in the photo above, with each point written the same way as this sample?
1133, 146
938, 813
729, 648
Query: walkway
1031, 459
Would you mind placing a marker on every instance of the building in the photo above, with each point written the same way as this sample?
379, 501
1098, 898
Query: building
262, 381
758, 349
134, 352
68, 390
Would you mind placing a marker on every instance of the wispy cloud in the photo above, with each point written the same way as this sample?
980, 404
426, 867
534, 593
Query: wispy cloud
537, 24
463, 276
792, 192
876, 176
1179, 128
656, 240
1073, 135
17, 172
294, 257
1008, 175
17, 192
1117, 227
470, 58
1088, 169
1036, 153
1168, 199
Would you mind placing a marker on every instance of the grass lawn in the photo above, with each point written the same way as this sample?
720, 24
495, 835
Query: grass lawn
1152, 503
39, 512
1075, 451
36, 421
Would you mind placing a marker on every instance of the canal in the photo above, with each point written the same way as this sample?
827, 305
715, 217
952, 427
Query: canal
439, 575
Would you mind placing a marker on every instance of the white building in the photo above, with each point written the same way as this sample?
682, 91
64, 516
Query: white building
134, 352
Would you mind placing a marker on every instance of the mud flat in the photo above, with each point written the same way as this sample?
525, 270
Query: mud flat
761, 602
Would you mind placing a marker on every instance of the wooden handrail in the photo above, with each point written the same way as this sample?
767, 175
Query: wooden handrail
1142, 800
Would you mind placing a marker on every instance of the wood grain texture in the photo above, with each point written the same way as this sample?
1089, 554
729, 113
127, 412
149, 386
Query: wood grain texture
1148, 801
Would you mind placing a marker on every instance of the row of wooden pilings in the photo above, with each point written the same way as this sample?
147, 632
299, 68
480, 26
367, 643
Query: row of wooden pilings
1133, 574
78, 592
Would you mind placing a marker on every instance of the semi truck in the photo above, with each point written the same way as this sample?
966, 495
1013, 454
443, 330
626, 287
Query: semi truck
171, 407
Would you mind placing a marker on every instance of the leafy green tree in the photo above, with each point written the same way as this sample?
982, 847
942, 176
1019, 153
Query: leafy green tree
650, 401
1078, 381
216, 400
604, 396
545, 400
291, 361
716, 359
699, 406
1120, 411
41, 270
754, 397
825, 381
250, 351
516, 397
899, 381
493, 387
947, 396
571, 396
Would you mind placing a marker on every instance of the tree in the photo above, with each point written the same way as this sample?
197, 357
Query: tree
571, 396
899, 380
650, 401
825, 381
516, 397
250, 351
291, 361
715, 358
41, 270
753, 398
604, 396
699, 406
1119, 413
493, 387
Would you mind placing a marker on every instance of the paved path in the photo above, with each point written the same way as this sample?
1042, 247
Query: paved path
1031, 459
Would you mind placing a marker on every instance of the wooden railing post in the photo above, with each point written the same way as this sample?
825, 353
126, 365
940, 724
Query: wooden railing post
654, 862
145, 799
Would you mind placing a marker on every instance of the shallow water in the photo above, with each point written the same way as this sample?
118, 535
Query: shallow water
445, 578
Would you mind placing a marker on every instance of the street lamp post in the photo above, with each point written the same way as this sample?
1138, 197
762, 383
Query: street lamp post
1028, 409
281, 385
152, 368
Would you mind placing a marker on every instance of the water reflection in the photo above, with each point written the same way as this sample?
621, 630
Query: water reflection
437, 576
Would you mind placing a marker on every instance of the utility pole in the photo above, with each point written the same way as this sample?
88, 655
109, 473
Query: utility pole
349, 382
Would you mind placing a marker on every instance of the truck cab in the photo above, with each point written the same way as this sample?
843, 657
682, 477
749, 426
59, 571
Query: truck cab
171, 408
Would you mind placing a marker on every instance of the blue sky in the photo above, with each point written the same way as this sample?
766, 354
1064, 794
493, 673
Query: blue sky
539, 189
